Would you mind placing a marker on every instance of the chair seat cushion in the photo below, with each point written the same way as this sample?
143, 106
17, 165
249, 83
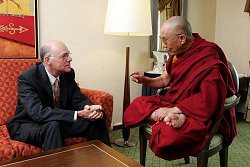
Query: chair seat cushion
20, 148
230, 100
216, 140
6, 151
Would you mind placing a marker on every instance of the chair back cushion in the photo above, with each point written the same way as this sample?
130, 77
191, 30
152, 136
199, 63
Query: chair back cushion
10, 69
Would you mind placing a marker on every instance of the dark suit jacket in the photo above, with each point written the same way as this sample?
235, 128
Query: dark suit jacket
35, 98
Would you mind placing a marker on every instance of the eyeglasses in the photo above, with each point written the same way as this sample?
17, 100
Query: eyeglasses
64, 56
165, 40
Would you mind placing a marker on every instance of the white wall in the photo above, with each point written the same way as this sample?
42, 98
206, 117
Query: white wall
98, 59
225, 23
202, 14
233, 32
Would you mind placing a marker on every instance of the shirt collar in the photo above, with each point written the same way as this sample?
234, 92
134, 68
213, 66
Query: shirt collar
52, 79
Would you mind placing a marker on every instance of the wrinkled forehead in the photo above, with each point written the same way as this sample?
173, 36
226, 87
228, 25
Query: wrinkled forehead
169, 28
166, 30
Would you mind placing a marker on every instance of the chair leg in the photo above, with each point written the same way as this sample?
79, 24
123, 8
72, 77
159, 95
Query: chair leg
202, 159
187, 160
224, 157
143, 146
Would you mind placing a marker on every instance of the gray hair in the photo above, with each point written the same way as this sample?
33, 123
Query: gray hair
44, 50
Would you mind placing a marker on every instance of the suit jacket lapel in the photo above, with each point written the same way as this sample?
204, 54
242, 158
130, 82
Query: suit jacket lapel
45, 81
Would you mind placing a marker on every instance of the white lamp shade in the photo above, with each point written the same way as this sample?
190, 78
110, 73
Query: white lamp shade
128, 18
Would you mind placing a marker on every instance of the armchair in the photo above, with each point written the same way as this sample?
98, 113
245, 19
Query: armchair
214, 144
10, 69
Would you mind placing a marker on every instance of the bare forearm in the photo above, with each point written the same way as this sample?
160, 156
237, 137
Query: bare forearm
154, 82
158, 82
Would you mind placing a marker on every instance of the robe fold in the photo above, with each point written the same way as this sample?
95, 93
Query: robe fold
200, 81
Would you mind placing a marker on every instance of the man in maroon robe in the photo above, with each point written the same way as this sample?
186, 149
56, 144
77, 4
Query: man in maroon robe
200, 80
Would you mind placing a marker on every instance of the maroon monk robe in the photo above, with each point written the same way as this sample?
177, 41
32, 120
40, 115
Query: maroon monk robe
200, 80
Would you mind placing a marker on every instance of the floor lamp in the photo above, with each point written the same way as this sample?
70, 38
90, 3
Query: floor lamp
128, 18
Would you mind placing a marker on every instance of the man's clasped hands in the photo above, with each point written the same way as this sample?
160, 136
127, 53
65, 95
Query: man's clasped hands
91, 112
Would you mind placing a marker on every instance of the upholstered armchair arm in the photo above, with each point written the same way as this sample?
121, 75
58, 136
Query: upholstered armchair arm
104, 99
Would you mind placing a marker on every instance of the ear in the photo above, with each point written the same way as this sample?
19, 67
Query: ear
47, 59
183, 38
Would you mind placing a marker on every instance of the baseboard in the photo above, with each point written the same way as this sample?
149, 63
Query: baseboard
117, 126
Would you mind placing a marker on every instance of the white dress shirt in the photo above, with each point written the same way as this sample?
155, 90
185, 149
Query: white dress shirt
52, 80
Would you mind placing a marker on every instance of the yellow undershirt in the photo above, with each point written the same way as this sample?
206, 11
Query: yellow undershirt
174, 59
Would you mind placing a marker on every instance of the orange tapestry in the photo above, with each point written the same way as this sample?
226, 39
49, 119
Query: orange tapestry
18, 36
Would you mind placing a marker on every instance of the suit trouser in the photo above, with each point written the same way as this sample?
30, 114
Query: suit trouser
51, 135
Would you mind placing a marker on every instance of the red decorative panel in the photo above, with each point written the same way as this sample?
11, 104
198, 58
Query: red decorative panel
10, 69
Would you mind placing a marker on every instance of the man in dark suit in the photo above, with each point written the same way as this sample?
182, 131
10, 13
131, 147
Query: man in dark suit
39, 119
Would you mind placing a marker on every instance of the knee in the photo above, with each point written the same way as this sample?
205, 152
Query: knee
99, 123
52, 126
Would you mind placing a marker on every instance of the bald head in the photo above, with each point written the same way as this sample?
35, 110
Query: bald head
51, 47
177, 25
56, 57
176, 35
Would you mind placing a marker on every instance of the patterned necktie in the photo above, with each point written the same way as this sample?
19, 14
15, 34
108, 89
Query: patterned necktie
57, 93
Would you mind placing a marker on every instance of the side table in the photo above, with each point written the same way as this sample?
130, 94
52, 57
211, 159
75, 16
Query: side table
147, 91
243, 90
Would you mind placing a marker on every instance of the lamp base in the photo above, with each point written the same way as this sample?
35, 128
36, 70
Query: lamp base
122, 143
